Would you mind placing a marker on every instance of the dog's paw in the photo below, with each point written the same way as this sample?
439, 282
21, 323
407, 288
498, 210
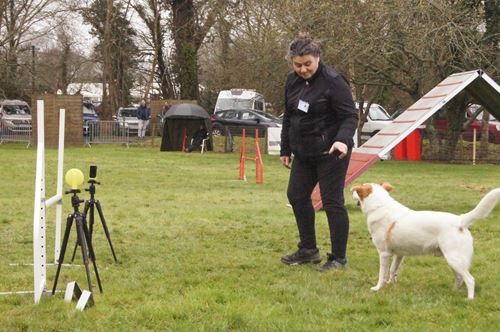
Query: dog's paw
393, 280
375, 288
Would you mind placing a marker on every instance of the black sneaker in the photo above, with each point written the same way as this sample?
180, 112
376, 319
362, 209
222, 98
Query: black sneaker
333, 263
302, 256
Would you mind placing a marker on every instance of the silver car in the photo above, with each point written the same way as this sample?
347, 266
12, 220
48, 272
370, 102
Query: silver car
15, 116
127, 120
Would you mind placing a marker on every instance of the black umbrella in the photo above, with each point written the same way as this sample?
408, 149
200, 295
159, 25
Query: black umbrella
187, 111
180, 123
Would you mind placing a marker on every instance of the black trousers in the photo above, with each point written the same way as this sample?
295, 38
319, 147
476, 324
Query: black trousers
330, 172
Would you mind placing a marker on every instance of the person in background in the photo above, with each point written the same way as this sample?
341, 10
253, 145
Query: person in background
143, 114
318, 128
166, 107
198, 138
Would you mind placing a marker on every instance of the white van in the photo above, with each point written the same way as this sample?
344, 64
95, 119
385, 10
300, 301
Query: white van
240, 99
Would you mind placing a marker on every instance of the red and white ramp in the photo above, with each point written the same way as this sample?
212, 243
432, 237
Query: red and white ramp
485, 90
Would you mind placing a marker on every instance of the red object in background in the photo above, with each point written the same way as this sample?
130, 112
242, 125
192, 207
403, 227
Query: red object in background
410, 148
184, 141
441, 124
413, 145
400, 150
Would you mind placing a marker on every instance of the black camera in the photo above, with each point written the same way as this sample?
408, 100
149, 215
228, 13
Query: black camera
93, 171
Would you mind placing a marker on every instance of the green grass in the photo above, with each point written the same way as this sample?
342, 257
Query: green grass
199, 250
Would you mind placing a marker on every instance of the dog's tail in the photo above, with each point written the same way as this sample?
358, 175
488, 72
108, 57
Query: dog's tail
483, 208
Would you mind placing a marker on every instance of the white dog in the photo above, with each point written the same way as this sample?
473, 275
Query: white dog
398, 231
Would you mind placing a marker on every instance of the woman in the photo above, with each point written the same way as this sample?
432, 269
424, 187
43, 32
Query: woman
318, 128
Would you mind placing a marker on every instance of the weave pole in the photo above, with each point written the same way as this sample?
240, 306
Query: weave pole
259, 164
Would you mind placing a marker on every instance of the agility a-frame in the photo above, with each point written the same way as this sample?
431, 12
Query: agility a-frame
479, 85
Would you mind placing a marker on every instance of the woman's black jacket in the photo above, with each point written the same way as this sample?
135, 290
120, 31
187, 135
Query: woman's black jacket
331, 115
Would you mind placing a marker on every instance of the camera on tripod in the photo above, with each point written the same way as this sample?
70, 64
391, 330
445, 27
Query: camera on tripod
92, 180
93, 174
93, 171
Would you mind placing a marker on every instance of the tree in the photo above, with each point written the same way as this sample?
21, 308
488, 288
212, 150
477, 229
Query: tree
191, 22
3, 10
61, 63
151, 15
115, 49
22, 23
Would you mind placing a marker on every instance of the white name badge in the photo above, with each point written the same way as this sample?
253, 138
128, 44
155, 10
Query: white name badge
303, 106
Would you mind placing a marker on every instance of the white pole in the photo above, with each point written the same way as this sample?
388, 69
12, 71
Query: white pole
474, 146
60, 165
39, 256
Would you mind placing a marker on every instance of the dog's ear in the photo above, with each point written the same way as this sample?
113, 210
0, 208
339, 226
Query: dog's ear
363, 190
387, 186
355, 187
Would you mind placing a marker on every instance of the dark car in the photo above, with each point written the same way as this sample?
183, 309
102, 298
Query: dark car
235, 120
89, 115
477, 123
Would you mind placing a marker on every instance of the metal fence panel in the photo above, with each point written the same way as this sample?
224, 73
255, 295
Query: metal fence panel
107, 132
10, 131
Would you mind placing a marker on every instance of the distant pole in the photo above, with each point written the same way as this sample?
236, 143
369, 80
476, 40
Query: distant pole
32, 69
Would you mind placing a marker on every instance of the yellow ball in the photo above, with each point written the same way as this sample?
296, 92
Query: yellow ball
74, 178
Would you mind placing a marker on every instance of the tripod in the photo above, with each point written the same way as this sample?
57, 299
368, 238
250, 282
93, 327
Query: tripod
90, 206
83, 238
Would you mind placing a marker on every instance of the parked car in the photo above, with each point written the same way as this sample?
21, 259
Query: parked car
15, 116
89, 115
493, 128
236, 120
126, 119
377, 119
441, 124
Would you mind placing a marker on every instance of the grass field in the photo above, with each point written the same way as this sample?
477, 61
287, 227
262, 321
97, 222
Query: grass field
199, 250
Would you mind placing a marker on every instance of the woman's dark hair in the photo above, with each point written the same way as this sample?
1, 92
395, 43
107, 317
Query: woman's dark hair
303, 45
